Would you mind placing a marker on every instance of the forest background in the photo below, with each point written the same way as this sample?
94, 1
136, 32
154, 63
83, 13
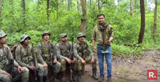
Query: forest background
135, 22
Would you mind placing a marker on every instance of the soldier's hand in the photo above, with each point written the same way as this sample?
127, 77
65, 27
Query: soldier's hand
36, 67
45, 65
95, 50
68, 60
83, 61
108, 42
6, 73
92, 60
20, 69
55, 61
31, 67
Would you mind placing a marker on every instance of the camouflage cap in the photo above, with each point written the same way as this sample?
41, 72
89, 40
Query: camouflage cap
81, 35
23, 37
63, 35
46, 32
2, 33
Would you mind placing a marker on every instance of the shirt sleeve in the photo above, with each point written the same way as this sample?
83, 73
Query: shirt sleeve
18, 57
90, 51
94, 34
1, 71
75, 52
10, 56
39, 52
59, 52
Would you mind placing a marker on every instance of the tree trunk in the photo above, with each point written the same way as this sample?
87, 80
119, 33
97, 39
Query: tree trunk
99, 6
155, 21
0, 13
131, 7
141, 34
83, 19
90, 4
57, 9
68, 4
48, 11
24, 12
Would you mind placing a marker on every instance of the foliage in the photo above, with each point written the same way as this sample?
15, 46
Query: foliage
126, 28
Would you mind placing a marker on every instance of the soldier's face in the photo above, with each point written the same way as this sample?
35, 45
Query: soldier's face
81, 39
46, 37
3, 40
64, 39
26, 41
101, 19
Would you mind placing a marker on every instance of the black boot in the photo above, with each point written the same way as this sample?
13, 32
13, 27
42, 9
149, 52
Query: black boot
45, 79
55, 77
74, 75
94, 73
40, 79
63, 76
79, 76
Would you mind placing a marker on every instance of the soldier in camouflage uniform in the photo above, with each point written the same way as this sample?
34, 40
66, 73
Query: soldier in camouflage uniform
24, 57
85, 55
47, 54
5, 57
64, 54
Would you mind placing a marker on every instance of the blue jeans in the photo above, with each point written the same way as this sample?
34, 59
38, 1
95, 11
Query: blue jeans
101, 60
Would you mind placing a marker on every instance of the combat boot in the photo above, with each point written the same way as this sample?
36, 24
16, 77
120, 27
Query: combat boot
45, 79
55, 77
40, 79
94, 73
79, 76
63, 76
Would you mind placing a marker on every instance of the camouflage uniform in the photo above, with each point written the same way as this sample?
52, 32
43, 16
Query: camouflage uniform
46, 53
5, 56
83, 51
24, 57
64, 51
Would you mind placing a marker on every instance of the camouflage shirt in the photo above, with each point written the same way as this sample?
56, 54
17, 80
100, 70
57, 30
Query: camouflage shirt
81, 50
24, 56
63, 51
99, 32
5, 56
46, 52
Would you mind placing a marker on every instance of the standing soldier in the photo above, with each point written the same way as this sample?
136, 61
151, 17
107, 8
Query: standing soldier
5, 58
103, 34
24, 57
82, 52
47, 54
64, 49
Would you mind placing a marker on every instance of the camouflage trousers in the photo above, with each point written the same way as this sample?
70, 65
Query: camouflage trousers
24, 76
42, 71
78, 64
64, 62
56, 67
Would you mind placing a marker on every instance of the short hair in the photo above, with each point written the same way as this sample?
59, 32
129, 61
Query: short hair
100, 15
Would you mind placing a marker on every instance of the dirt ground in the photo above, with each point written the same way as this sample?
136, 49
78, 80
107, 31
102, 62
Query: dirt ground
129, 69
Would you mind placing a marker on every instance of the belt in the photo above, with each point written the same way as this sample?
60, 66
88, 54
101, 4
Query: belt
101, 44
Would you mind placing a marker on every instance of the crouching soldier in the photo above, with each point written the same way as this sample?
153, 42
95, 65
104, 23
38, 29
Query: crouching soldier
47, 55
85, 55
24, 57
64, 51
5, 58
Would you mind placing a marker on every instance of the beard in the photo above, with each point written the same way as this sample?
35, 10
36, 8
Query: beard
64, 40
